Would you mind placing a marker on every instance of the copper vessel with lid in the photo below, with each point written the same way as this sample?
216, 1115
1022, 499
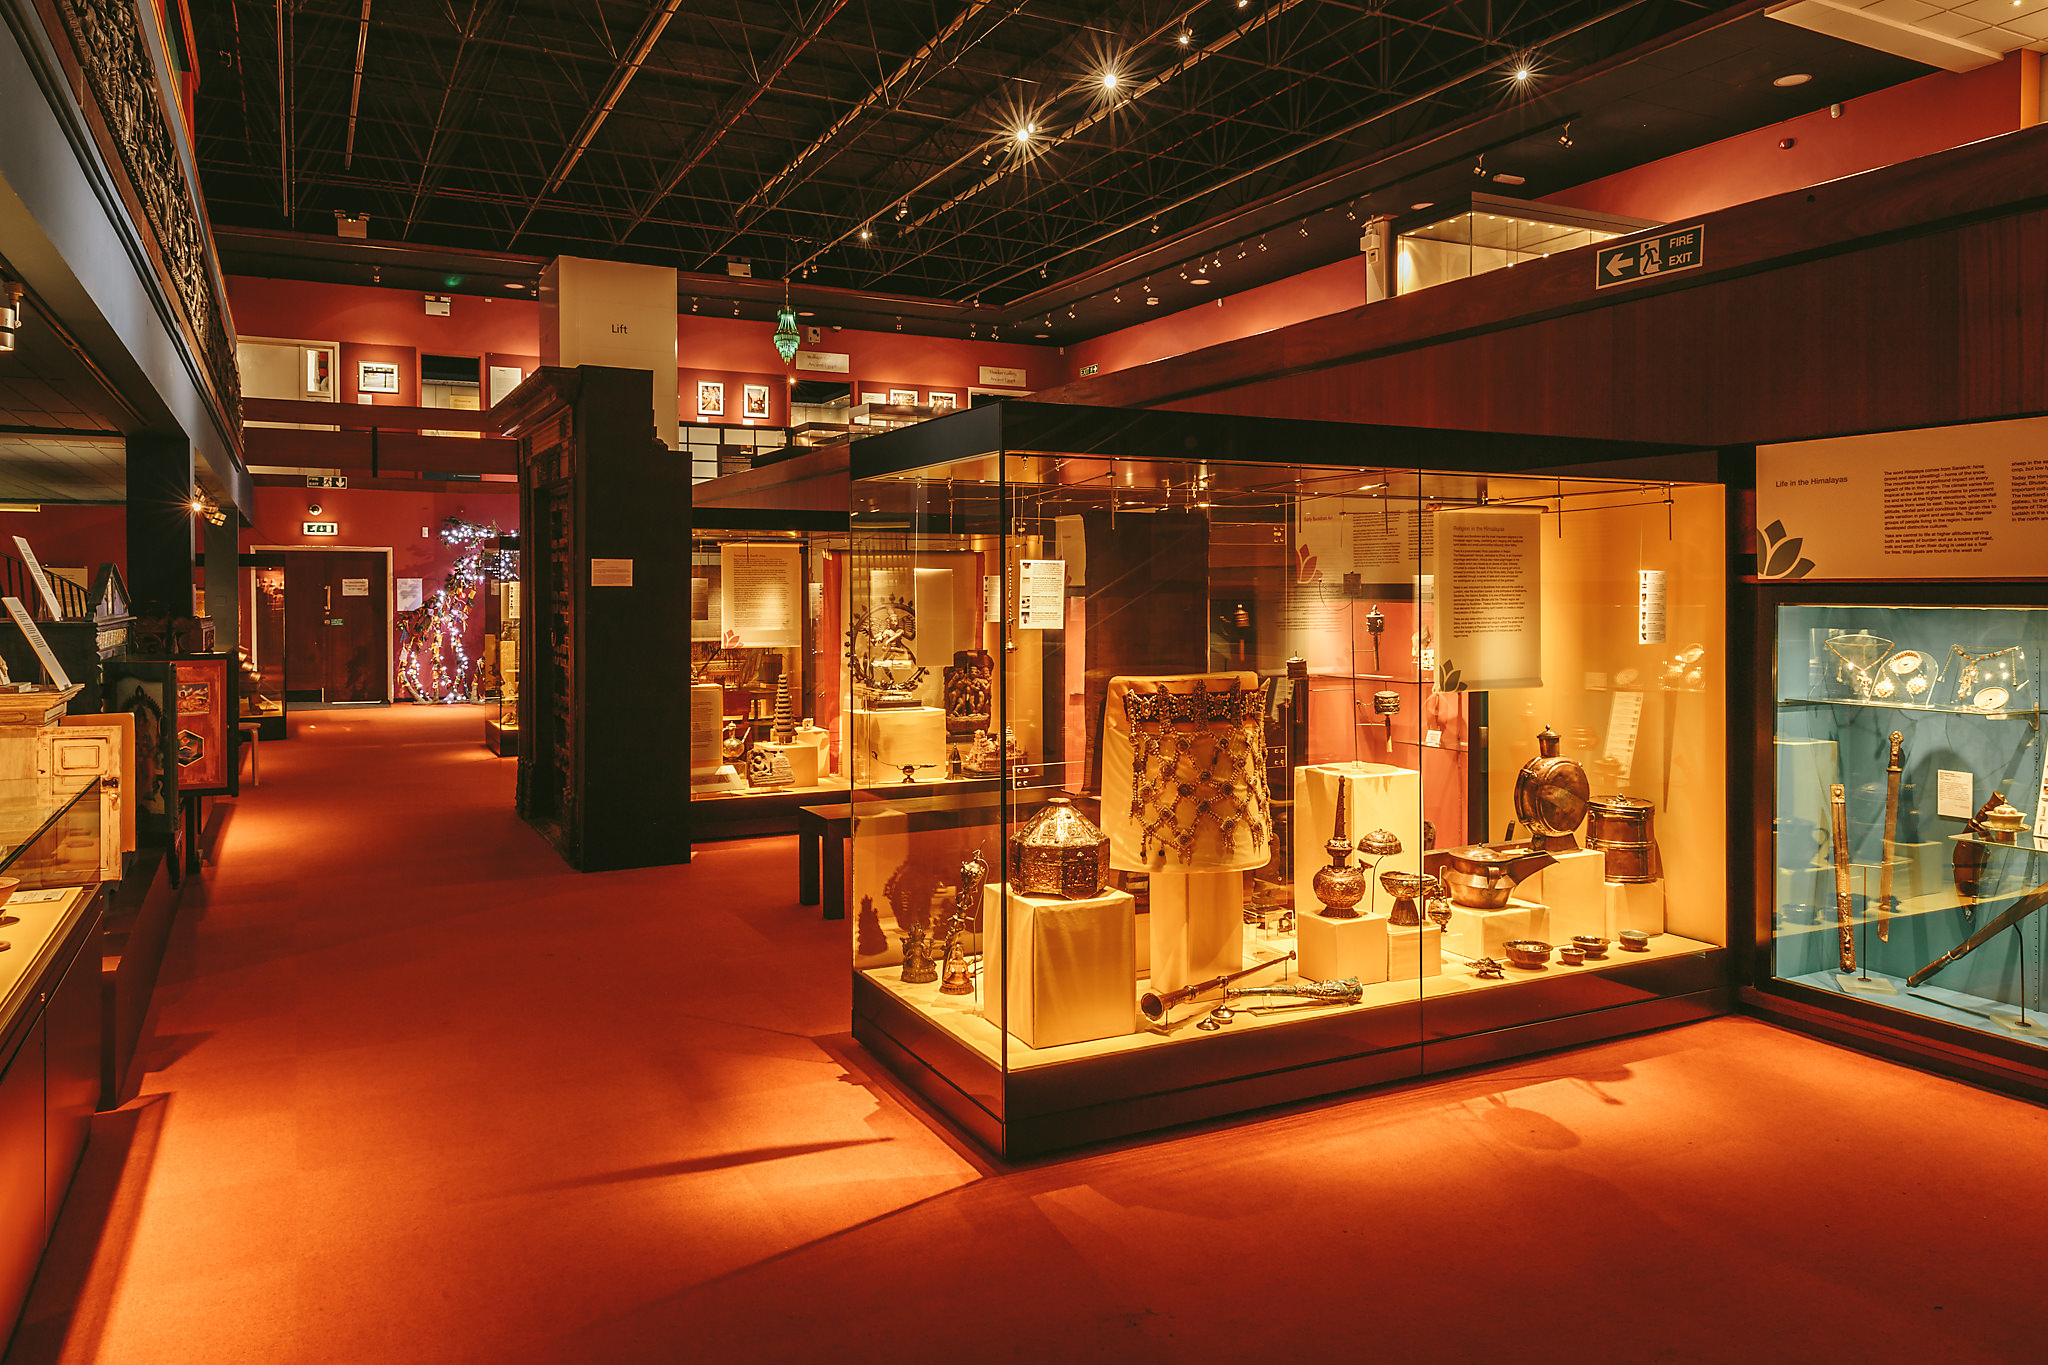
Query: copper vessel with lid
1624, 828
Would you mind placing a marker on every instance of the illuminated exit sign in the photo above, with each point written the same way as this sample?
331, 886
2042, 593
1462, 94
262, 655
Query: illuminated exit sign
321, 528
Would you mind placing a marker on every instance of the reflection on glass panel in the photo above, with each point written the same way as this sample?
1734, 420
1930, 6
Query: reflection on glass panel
1910, 860
261, 655
766, 655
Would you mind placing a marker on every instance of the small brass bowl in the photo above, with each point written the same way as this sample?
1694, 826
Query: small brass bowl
1592, 945
1635, 940
1571, 957
1527, 953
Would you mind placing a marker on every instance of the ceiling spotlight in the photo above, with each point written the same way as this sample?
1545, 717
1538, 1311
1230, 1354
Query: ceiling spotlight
1151, 300
1303, 229
902, 209
995, 334
899, 324
1564, 139
1070, 312
1155, 227
1109, 80
1041, 272
1024, 133
1522, 74
1116, 298
1786, 82
1186, 37
865, 234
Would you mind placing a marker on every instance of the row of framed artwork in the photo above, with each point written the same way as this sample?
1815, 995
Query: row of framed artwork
754, 399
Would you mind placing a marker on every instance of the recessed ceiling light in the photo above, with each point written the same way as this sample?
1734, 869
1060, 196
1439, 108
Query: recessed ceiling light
1425, 204
1505, 179
515, 285
1786, 82
1199, 279
807, 313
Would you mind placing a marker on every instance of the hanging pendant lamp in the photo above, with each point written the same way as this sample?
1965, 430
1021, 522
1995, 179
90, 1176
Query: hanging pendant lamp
786, 336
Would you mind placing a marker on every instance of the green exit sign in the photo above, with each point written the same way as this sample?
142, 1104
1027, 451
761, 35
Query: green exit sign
1087, 370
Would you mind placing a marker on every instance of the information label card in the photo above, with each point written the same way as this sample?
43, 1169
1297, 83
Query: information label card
1489, 592
37, 642
1947, 502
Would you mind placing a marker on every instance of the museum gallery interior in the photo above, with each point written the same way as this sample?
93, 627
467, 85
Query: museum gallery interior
840, 679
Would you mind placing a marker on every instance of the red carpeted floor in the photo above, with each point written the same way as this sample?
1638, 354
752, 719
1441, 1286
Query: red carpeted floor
419, 1094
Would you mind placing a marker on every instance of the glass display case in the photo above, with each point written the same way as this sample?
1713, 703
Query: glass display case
498, 667
1910, 830
767, 668
49, 839
1486, 232
1203, 762
260, 657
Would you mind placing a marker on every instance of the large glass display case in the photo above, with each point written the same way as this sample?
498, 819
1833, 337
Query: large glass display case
767, 663
1204, 762
260, 656
1910, 831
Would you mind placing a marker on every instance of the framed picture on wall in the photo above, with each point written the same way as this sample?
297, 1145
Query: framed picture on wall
754, 400
710, 399
903, 398
376, 376
942, 402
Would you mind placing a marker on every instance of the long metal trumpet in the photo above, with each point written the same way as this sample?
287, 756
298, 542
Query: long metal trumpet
1156, 1006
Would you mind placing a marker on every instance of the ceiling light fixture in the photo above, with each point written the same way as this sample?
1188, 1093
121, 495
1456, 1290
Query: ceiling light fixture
1503, 178
865, 234
1425, 204
1790, 79
10, 314
786, 337
1109, 79
1024, 133
1186, 37
1523, 74
1564, 139
1199, 279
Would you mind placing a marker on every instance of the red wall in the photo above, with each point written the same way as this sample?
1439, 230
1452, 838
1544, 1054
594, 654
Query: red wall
1920, 117
733, 351
381, 518
71, 537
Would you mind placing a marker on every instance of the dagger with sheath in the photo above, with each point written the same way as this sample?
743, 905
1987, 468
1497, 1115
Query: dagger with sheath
1845, 919
1891, 837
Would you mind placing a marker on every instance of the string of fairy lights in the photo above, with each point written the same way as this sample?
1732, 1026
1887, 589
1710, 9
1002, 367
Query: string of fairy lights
433, 652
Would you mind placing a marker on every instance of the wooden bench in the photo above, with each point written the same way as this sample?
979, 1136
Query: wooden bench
821, 833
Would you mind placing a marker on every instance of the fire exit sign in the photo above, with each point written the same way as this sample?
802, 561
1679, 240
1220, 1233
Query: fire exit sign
320, 528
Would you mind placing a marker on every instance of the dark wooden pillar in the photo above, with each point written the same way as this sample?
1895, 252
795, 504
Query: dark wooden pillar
160, 525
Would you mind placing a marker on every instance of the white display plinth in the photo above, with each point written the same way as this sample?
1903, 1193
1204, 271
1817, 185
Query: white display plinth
1574, 889
1480, 933
1413, 952
1332, 949
820, 739
884, 742
803, 762
1197, 927
1068, 968
1635, 905
1380, 796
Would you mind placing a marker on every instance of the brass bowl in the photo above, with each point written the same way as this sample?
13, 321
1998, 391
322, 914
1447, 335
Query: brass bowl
1527, 953
1406, 888
1592, 945
1571, 957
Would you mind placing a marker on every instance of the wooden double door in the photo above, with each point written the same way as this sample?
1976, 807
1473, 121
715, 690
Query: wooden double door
335, 629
